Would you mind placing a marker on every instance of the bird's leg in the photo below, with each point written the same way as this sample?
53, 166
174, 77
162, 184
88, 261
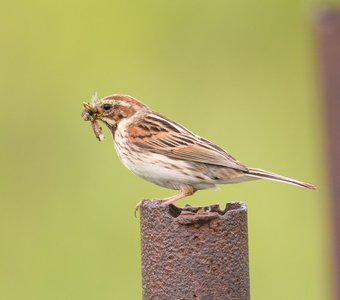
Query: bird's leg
186, 190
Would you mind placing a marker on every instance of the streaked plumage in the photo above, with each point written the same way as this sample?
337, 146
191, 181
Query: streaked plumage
166, 153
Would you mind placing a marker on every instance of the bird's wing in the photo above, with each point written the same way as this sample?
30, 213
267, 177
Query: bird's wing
160, 135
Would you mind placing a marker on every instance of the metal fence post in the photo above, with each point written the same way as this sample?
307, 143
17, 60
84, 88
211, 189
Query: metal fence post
327, 28
194, 252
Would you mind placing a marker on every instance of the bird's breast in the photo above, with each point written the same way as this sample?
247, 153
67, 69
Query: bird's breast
157, 168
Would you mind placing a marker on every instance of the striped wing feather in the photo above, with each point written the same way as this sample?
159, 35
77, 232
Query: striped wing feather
160, 135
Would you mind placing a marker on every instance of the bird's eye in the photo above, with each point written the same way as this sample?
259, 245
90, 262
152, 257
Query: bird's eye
107, 106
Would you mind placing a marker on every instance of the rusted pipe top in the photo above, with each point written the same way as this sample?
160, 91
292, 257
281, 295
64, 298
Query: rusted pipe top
198, 253
195, 214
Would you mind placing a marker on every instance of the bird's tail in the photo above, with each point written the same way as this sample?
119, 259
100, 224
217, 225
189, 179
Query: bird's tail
258, 173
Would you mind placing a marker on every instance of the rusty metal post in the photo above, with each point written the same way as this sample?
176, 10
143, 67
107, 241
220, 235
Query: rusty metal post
327, 27
198, 253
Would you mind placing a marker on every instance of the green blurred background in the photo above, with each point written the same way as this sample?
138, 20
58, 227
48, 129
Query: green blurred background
240, 73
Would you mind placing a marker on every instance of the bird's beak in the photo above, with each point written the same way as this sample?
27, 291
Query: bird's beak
89, 113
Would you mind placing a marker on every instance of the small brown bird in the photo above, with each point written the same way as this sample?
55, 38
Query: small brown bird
166, 153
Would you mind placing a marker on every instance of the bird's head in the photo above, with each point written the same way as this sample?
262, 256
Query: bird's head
111, 109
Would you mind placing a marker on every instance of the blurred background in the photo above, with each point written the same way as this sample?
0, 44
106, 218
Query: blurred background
240, 73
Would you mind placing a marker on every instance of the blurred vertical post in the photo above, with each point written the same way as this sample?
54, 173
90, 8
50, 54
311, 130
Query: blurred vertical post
327, 27
194, 252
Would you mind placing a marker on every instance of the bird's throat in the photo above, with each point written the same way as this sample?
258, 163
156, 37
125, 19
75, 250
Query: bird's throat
112, 128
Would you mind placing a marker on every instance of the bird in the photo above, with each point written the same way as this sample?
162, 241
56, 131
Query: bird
166, 153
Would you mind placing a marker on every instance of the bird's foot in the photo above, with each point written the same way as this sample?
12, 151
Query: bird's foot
140, 203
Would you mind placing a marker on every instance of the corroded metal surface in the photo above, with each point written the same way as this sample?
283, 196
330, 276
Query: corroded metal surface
327, 29
194, 253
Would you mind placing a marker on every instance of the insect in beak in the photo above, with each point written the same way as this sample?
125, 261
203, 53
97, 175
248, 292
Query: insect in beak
89, 113
87, 106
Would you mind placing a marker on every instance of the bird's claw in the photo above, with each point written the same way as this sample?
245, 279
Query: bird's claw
140, 203
137, 207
